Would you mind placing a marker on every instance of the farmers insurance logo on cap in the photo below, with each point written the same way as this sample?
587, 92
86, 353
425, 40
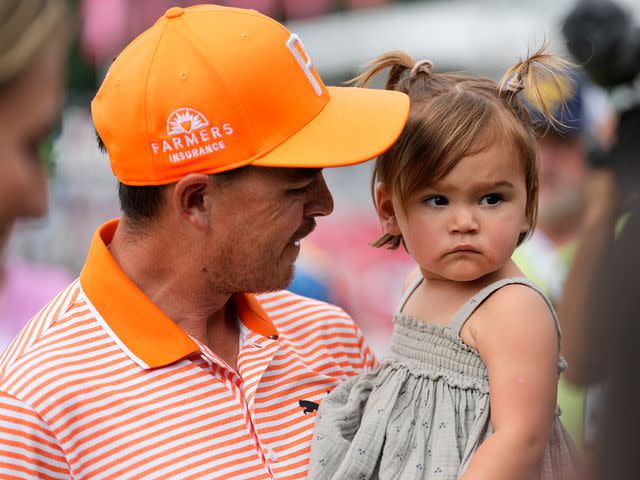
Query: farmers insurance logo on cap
191, 136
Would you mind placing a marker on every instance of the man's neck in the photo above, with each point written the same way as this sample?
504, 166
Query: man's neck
149, 262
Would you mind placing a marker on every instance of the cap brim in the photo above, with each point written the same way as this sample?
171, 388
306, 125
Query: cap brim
356, 125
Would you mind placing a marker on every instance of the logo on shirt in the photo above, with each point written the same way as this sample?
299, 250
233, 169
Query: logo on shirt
308, 406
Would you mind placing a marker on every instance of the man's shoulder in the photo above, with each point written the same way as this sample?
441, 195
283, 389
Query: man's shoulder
286, 308
324, 334
62, 347
48, 329
304, 321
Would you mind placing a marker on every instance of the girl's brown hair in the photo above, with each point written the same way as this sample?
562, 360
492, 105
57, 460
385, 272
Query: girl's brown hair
454, 115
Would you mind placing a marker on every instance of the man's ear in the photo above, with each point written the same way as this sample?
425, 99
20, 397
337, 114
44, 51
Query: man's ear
386, 211
191, 199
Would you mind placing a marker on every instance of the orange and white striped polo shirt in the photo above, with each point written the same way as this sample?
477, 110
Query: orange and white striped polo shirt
102, 385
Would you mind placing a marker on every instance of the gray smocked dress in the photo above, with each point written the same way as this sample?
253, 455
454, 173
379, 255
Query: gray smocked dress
424, 412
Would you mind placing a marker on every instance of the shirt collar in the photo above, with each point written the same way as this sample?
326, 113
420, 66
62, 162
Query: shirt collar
140, 328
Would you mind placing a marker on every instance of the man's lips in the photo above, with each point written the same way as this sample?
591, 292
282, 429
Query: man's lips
303, 232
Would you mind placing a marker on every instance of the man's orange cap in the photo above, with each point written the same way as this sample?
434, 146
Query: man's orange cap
212, 88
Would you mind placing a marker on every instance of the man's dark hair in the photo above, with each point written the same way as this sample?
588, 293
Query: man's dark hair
140, 203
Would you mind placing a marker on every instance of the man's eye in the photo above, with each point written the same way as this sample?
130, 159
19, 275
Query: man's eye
491, 199
436, 201
302, 190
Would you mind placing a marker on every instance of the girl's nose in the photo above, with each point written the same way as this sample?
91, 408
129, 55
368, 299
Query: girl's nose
463, 221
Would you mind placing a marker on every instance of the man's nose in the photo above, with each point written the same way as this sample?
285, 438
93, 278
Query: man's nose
320, 201
463, 221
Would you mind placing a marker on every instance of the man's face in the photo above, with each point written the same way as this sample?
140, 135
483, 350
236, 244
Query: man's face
258, 219
563, 175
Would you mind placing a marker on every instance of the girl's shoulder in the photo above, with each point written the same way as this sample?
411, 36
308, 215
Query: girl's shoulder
514, 297
517, 310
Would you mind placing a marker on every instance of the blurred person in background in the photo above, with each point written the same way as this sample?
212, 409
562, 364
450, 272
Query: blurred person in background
614, 325
600, 311
584, 116
33, 44
545, 257
600, 306
607, 349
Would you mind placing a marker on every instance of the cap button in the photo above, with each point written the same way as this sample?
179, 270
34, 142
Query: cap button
174, 12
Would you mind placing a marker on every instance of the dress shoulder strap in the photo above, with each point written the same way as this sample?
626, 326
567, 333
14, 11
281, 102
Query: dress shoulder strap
412, 288
462, 315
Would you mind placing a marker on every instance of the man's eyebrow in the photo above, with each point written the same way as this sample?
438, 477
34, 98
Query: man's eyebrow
300, 174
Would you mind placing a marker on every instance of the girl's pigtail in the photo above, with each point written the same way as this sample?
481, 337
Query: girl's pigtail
544, 75
399, 62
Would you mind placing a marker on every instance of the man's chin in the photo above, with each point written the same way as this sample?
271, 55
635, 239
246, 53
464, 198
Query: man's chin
278, 281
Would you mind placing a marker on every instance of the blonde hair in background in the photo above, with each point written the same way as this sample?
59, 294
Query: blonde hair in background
25, 28
455, 115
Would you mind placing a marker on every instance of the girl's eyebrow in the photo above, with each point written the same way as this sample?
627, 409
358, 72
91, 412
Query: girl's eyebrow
492, 185
479, 185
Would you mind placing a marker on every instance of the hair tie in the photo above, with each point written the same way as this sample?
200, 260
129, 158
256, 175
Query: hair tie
516, 84
422, 66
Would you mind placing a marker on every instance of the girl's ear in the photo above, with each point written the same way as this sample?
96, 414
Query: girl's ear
386, 211
526, 226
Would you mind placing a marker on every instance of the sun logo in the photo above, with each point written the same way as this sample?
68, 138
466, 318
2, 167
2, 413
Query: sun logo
185, 120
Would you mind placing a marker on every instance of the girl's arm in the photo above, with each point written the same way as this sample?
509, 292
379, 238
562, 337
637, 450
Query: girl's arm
516, 337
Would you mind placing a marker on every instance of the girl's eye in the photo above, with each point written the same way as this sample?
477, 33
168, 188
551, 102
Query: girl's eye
491, 199
436, 201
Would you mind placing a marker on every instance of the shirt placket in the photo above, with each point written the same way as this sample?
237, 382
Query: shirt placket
253, 361
244, 391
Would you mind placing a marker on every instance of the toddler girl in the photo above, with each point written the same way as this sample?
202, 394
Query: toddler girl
468, 388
